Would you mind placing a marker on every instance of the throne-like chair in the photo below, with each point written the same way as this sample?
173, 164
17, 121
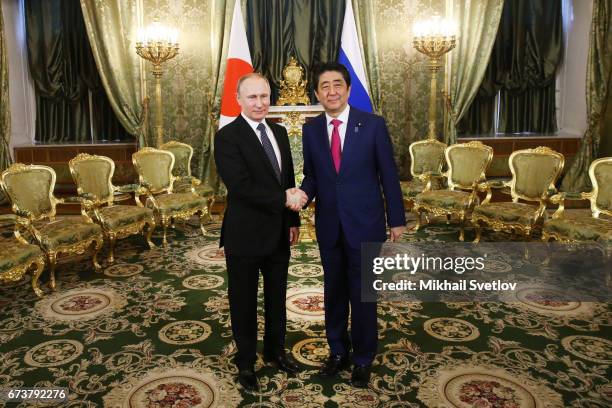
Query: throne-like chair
154, 167
534, 174
183, 153
578, 226
426, 158
30, 190
467, 164
93, 176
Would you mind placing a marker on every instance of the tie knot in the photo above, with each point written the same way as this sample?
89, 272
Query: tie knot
261, 127
336, 122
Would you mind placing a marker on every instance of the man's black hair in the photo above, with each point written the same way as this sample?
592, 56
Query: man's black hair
331, 66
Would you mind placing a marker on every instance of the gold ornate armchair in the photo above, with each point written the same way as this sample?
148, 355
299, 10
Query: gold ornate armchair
16, 259
534, 173
574, 227
30, 190
183, 154
467, 164
93, 176
154, 167
426, 157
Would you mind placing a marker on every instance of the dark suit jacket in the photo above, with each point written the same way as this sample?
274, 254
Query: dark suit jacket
352, 199
256, 218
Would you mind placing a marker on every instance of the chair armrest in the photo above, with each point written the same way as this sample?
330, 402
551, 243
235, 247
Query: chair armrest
128, 188
75, 199
429, 176
489, 185
8, 219
193, 180
144, 188
498, 183
560, 198
24, 214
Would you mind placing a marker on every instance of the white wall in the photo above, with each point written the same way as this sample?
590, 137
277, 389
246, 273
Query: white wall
571, 81
21, 90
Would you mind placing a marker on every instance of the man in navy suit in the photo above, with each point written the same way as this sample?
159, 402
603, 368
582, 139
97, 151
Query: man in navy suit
348, 160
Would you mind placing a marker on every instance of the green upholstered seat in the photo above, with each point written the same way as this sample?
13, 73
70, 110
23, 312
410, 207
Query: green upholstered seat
119, 216
13, 254
17, 258
448, 199
66, 232
178, 202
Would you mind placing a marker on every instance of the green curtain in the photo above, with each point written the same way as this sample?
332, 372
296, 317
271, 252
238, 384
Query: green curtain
531, 50
366, 30
598, 90
522, 68
111, 29
64, 72
478, 22
220, 24
310, 30
5, 110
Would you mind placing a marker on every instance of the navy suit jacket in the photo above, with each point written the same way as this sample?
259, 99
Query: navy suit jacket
353, 198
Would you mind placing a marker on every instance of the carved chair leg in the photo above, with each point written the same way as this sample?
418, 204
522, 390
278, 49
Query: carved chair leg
165, 222
39, 265
419, 219
150, 226
478, 232
462, 228
112, 239
52, 257
97, 246
211, 202
203, 214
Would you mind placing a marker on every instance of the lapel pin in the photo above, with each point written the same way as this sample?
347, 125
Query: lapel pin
357, 127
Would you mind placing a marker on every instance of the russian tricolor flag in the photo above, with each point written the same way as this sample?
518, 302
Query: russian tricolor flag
350, 57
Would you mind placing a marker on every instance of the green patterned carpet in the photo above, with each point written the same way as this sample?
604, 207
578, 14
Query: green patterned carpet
153, 331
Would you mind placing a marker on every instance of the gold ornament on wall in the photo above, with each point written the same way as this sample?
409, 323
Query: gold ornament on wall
293, 85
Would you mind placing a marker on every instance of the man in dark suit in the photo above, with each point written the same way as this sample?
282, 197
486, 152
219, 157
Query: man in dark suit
254, 161
348, 160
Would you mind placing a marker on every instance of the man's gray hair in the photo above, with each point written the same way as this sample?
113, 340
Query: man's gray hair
249, 76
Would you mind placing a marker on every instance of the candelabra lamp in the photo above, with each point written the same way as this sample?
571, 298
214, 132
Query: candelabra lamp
157, 44
434, 38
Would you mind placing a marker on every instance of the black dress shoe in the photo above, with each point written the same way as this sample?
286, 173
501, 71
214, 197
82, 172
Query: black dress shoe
284, 363
248, 379
334, 364
361, 376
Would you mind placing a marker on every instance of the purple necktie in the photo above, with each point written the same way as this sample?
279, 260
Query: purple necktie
335, 144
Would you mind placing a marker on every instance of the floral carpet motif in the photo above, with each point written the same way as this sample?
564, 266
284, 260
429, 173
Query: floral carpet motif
153, 330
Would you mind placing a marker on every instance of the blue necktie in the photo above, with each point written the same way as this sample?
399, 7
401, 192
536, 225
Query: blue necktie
267, 145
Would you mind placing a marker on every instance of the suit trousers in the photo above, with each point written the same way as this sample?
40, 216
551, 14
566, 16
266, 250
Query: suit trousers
342, 285
243, 280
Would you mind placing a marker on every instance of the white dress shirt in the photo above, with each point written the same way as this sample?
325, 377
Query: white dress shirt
270, 134
341, 129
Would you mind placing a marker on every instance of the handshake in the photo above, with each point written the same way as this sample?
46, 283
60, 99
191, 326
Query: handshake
296, 199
